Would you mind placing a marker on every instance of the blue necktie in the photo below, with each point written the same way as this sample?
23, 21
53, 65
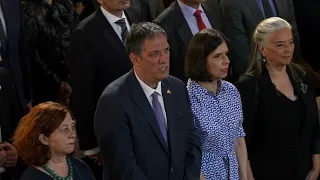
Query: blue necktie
267, 9
157, 109
124, 30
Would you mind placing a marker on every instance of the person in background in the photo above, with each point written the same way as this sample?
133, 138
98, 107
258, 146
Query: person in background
239, 20
145, 10
143, 122
216, 107
47, 29
8, 153
84, 8
45, 140
279, 108
181, 20
97, 56
307, 16
14, 102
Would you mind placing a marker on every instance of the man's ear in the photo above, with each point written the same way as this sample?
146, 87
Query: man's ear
100, 2
135, 59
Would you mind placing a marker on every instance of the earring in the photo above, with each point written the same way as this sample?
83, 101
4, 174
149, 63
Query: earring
264, 59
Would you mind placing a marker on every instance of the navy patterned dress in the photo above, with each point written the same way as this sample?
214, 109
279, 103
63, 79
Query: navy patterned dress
218, 121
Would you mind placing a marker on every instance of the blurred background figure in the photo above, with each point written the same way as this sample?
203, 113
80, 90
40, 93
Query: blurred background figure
97, 56
13, 101
279, 107
216, 107
8, 153
47, 28
45, 140
181, 20
241, 17
84, 8
307, 16
145, 10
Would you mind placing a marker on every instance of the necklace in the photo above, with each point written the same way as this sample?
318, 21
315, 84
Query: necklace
280, 78
57, 177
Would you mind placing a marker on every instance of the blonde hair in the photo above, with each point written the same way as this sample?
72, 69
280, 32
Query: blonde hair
265, 28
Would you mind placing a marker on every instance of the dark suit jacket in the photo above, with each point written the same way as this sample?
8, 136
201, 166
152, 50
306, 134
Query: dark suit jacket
154, 8
179, 33
240, 18
12, 15
97, 57
6, 94
130, 139
276, 150
307, 16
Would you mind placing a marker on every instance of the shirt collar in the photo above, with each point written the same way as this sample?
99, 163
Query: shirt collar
110, 17
195, 85
187, 10
147, 89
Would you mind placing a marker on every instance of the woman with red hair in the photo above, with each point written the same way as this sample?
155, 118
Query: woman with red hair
45, 140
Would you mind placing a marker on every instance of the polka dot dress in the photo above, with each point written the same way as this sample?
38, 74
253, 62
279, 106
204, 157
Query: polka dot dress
218, 121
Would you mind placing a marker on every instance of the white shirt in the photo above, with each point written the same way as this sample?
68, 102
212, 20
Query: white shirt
148, 91
188, 13
113, 19
3, 20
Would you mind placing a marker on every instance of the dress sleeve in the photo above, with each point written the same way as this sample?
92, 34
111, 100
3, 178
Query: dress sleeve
241, 132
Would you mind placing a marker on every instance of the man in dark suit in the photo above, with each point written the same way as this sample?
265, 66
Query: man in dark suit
181, 22
143, 121
7, 125
12, 97
145, 10
240, 18
97, 57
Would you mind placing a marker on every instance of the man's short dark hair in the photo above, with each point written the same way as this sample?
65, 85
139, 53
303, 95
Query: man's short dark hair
200, 46
139, 33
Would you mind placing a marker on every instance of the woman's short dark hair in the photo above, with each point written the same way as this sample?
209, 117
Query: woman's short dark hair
44, 118
200, 46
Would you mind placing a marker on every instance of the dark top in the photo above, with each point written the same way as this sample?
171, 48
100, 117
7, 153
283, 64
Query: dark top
294, 109
47, 30
81, 171
281, 135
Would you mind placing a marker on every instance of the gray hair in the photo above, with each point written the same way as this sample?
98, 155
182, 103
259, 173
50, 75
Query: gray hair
139, 33
262, 31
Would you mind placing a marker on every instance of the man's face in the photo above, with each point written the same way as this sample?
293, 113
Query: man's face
153, 63
114, 5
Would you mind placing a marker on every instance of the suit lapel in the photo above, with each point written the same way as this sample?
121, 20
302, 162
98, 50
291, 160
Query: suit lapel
10, 15
139, 97
279, 5
152, 8
255, 10
168, 98
181, 24
304, 98
110, 36
212, 14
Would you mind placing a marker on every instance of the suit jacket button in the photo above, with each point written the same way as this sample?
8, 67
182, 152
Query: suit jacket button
171, 170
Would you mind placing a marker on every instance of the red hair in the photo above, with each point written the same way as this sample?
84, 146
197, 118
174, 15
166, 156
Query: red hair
44, 118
